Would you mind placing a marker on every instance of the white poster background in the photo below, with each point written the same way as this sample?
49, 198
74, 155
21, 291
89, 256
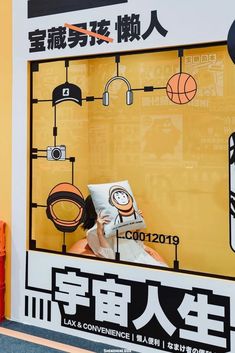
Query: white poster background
39, 276
187, 22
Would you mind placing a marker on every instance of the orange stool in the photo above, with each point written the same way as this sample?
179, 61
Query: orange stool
2, 269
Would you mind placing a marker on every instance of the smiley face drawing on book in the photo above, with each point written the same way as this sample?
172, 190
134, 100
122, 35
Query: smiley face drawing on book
120, 198
116, 200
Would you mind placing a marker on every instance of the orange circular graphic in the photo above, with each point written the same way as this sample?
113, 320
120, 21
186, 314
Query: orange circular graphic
181, 88
69, 193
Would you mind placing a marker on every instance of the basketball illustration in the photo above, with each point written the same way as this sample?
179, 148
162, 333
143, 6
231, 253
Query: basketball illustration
181, 88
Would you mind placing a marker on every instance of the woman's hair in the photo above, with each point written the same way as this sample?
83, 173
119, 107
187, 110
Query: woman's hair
90, 214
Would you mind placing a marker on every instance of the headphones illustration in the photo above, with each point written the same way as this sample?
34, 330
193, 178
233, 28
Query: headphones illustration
129, 92
70, 193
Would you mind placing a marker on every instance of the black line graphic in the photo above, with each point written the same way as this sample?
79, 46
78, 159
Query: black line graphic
147, 89
41, 309
44, 7
26, 306
34, 307
48, 310
231, 164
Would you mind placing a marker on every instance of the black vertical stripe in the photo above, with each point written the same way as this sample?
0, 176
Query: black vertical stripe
48, 310
41, 309
26, 305
34, 307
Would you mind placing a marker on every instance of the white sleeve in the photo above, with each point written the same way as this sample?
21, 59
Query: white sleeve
107, 253
93, 242
141, 243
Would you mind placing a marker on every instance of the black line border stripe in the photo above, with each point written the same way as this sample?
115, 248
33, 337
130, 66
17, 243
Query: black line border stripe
44, 7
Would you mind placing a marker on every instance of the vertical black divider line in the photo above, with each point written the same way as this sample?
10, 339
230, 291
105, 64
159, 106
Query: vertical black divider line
34, 307
48, 310
64, 244
117, 61
117, 254
27, 270
66, 64
26, 306
72, 173
41, 309
66, 69
30, 158
55, 127
176, 253
229, 190
180, 55
176, 262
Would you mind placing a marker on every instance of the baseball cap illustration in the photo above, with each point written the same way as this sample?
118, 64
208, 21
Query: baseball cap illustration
67, 92
69, 193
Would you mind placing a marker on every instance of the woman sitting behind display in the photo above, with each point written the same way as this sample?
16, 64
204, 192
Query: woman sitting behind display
129, 249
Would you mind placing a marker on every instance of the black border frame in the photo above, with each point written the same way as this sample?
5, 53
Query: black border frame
33, 65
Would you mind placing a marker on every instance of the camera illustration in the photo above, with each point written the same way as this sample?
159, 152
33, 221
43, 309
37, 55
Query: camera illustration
56, 153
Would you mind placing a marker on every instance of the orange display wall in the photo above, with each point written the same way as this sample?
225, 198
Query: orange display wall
175, 156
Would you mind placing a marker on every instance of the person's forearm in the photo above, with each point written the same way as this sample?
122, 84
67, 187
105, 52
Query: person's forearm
102, 239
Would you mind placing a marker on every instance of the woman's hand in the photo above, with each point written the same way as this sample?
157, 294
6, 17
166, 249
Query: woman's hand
102, 220
140, 213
